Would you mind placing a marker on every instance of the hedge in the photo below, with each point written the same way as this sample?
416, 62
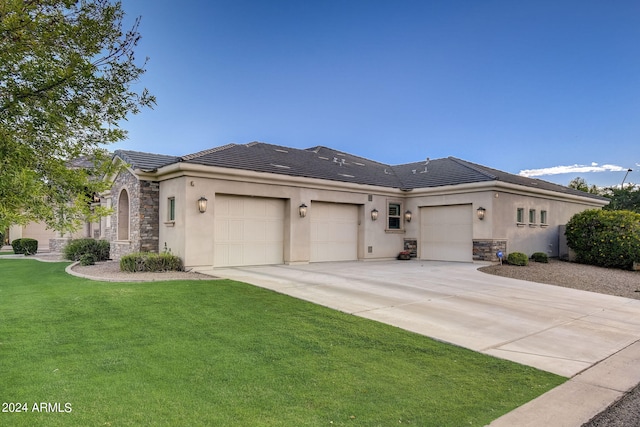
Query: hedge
87, 251
605, 238
150, 262
25, 246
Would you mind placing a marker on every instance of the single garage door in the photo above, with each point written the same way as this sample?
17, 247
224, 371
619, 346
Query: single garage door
334, 232
446, 233
248, 231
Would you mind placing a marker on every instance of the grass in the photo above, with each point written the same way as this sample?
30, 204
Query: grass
227, 353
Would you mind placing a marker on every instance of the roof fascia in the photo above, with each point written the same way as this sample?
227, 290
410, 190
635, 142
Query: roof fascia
176, 170
508, 188
180, 169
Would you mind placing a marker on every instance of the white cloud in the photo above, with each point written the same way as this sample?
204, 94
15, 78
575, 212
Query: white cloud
557, 170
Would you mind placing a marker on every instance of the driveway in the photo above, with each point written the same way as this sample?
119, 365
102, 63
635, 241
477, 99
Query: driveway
559, 330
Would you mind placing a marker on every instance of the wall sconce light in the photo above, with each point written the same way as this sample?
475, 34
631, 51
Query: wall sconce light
302, 210
407, 216
202, 204
480, 212
374, 214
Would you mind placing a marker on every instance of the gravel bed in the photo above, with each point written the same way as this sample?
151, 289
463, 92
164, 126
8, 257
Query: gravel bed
110, 271
608, 281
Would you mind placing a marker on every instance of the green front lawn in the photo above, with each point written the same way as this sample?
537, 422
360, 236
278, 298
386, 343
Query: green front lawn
229, 354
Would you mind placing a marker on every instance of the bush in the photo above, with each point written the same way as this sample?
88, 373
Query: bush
87, 259
151, 262
540, 257
98, 249
605, 238
25, 246
517, 258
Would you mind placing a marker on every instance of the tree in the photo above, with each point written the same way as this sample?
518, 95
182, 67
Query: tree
578, 183
66, 74
627, 198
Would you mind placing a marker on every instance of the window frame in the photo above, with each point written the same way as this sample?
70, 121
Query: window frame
532, 216
399, 218
544, 217
520, 215
171, 209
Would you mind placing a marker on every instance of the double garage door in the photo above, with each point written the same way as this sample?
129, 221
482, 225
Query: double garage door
250, 231
446, 233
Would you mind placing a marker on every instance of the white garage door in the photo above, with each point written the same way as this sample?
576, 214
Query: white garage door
248, 231
446, 233
334, 232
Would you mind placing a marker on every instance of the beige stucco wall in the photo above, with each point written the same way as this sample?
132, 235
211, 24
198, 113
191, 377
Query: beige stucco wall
191, 235
40, 232
529, 238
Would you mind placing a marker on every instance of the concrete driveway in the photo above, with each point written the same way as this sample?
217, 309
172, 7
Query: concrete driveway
559, 330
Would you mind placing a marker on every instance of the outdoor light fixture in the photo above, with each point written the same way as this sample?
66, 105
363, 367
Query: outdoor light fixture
374, 214
407, 216
202, 204
302, 210
481, 212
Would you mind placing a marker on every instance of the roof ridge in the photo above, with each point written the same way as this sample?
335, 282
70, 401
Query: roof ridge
141, 152
205, 152
472, 167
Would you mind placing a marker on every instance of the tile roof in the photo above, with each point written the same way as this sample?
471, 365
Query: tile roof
145, 161
331, 164
317, 162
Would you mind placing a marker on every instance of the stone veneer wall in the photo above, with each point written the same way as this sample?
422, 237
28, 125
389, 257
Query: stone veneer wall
124, 180
486, 250
149, 216
57, 245
144, 197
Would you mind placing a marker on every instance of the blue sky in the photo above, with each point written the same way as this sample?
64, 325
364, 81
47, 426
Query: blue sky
513, 85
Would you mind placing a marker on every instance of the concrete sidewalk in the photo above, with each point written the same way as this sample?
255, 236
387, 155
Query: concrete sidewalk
590, 337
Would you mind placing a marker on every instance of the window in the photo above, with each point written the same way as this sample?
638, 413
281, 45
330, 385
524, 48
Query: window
532, 216
543, 217
172, 209
123, 215
520, 215
394, 216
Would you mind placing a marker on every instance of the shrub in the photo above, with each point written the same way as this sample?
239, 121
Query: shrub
25, 246
98, 249
87, 259
517, 258
605, 238
540, 257
151, 262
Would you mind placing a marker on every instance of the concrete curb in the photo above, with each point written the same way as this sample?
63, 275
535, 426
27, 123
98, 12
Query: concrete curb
582, 397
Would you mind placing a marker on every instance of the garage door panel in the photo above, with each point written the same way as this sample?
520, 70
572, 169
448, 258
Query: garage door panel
334, 232
249, 231
446, 233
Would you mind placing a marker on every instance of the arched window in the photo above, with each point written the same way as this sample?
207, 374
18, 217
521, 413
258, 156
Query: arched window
123, 215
